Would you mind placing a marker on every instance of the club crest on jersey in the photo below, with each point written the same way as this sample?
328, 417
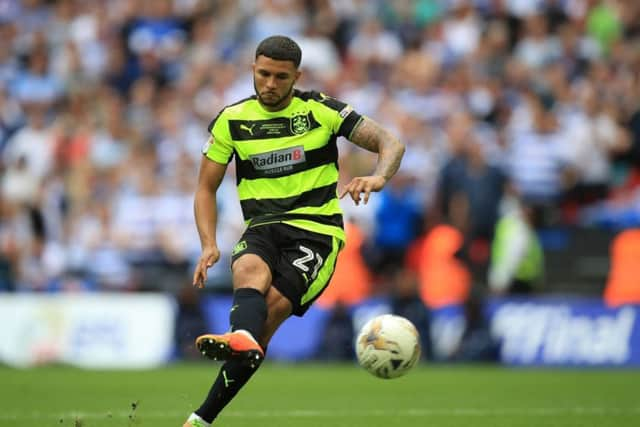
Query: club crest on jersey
300, 124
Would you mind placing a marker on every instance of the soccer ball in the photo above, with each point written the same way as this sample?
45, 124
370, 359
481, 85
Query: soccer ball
388, 346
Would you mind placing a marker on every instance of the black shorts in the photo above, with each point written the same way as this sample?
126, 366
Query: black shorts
301, 262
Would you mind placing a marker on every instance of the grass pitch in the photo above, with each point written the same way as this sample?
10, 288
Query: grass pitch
323, 395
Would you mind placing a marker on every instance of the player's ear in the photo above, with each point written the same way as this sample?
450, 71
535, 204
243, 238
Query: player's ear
298, 74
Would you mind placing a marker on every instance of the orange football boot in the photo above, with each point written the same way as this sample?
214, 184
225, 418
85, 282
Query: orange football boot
232, 345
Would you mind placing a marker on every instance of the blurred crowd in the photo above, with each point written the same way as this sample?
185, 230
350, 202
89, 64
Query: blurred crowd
517, 115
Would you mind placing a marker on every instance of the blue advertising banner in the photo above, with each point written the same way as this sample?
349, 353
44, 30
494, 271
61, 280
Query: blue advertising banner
565, 332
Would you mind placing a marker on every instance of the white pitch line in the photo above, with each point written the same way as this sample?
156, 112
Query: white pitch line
303, 413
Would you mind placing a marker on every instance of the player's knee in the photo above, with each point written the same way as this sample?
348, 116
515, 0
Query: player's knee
251, 271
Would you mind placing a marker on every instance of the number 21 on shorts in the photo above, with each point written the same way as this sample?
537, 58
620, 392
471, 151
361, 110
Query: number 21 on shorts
303, 261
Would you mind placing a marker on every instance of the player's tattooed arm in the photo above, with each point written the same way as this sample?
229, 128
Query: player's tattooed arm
371, 136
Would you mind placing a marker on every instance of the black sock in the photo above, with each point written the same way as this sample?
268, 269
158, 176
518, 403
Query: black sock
249, 311
232, 376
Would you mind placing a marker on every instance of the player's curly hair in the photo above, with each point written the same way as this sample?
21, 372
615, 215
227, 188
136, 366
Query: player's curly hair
280, 48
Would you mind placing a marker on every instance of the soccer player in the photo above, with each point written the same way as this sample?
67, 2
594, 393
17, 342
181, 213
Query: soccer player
284, 144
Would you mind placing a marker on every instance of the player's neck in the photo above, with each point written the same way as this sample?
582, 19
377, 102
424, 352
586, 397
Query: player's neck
279, 106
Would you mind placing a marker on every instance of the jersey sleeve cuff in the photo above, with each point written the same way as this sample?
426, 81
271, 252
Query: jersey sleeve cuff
349, 124
218, 158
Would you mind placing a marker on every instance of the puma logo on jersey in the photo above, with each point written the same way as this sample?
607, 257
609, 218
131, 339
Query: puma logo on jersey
247, 128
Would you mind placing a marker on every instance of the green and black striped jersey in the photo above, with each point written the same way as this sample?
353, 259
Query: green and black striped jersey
287, 160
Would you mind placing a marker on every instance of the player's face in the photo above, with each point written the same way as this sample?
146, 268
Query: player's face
273, 81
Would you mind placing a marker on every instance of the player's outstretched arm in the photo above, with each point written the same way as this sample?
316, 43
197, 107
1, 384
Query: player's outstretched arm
206, 216
371, 136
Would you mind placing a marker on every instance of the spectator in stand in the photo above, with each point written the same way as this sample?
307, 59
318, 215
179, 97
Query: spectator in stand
41, 266
274, 17
596, 138
37, 84
94, 253
426, 152
540, 163
517, 260
461, 29
467, 173
604, 22
324, 64
376, 47
398, 222
443, 278
136, 226
19, 152
156, 38
537, 48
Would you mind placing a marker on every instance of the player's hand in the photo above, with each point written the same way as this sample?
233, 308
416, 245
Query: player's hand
363, 185
210, 255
